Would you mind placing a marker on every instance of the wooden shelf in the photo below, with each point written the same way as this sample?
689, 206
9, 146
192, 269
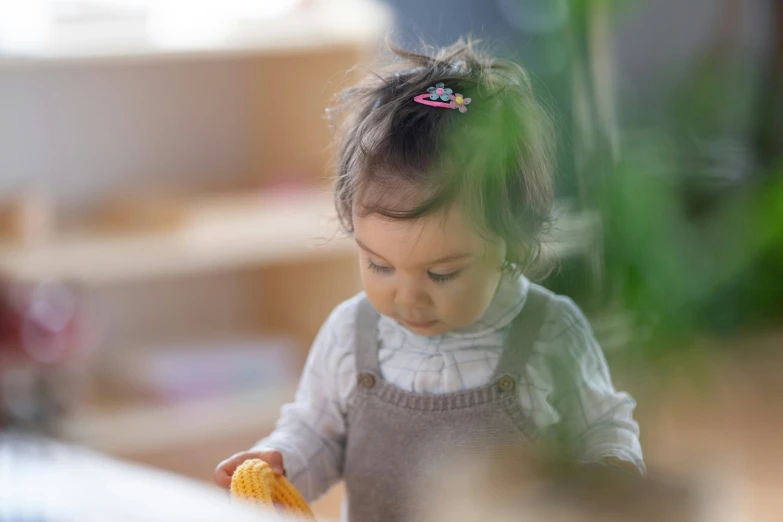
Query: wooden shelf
127, 429
218, 234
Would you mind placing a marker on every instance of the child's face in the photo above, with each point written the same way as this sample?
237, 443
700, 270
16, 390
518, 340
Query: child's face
433, 274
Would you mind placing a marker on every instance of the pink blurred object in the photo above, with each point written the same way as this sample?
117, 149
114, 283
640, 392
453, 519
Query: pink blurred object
41, 341
39, 322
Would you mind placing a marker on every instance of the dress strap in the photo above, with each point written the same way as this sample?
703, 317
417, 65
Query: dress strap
366, 338
524, 331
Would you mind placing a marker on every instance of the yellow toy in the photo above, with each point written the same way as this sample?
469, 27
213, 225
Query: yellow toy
255, 482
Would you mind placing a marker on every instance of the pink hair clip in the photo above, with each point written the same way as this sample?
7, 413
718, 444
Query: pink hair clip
441, 92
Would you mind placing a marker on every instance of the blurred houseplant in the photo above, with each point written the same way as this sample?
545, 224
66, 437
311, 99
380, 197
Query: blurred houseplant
692, 239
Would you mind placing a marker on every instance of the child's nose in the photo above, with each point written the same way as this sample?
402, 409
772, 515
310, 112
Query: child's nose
411, 296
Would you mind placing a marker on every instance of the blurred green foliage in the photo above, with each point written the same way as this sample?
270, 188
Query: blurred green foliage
693, 204
719, 273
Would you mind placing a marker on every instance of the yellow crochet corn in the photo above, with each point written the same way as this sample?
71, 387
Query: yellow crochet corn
255, 482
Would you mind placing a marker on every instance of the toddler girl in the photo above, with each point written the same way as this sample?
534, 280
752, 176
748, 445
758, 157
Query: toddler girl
444, 180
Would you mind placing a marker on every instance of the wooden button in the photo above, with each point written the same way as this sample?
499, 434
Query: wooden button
506, 384
367, 380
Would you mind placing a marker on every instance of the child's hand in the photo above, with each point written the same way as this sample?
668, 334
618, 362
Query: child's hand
225, 470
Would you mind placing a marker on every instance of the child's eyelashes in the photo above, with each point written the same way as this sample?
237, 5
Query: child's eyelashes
378, 269
437, 278
443, 278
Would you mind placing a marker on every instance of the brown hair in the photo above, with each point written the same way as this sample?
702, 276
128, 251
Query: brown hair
403, 160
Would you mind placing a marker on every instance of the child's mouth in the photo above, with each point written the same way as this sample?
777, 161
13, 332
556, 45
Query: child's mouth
422, 325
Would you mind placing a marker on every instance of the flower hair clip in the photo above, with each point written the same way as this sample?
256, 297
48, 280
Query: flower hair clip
442, 96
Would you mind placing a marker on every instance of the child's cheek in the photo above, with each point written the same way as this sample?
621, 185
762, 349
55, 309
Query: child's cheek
471, 298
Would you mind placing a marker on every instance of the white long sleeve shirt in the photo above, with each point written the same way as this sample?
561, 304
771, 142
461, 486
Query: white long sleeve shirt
311, 431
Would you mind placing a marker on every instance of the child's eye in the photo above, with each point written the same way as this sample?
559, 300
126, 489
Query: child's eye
443, 278
378, 269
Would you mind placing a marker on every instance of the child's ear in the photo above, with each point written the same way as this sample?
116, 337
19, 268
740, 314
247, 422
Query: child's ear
515, 253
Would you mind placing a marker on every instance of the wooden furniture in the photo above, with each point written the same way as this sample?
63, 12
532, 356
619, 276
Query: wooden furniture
25, 219
281, 242
218, 233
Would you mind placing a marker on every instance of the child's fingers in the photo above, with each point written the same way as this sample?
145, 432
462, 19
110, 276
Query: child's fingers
225, 470
272, 457
222, 478
275, 461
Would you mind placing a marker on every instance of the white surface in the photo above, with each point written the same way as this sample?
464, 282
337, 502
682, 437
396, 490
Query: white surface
48, 481
180, 29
